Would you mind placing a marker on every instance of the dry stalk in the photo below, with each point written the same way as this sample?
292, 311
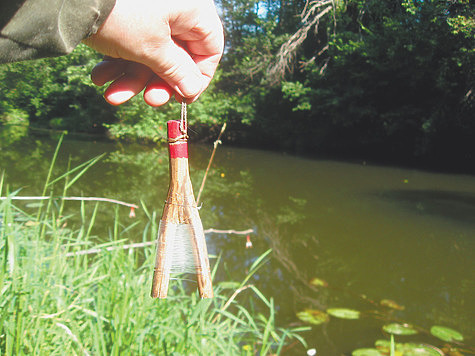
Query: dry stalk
216, 143
107, 200
230, 300
284, 58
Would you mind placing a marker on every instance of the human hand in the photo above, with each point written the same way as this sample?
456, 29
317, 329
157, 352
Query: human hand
166, 47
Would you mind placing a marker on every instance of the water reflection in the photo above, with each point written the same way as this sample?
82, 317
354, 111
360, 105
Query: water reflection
455, 205
371, 232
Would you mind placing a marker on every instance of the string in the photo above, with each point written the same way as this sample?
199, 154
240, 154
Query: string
183, 121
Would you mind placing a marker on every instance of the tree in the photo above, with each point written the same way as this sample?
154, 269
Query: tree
55, 93
386, 77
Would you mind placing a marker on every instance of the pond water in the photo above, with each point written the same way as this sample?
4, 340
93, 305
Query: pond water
371, 232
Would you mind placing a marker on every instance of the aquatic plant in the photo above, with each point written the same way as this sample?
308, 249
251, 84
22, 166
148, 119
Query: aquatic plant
393, 325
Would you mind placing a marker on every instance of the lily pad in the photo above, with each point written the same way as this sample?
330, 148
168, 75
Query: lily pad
391, 304
313, 316
318, 282
366, 352
399, 329
446, 334
408, 349
344, 313
422, 350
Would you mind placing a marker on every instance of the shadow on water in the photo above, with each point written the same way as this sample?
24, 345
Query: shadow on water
453, 205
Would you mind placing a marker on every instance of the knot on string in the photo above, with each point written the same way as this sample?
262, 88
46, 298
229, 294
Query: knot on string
182, 138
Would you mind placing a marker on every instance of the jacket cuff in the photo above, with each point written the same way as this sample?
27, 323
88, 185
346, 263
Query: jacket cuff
104, 8
47, 28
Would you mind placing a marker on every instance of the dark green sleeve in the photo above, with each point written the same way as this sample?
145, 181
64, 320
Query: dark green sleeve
46, 28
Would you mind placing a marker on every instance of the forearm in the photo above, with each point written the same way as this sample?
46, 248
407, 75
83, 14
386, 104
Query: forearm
38, 28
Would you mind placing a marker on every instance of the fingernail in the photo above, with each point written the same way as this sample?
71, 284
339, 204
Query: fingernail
119, 97
190, 86
157, 96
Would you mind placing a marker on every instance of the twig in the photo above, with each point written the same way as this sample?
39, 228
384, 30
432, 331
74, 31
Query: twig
215, 144
149, 243
75, 198
243, 232
110, 248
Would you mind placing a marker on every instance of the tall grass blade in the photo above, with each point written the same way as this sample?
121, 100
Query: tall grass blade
258, 263
267, 331
392, 346
50, 172
1, 183
84, 167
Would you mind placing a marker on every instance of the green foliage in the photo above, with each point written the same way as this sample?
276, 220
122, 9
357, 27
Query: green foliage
382, 78
56, 301
13, 126
296, 92
396, 82
397, 79
56, 92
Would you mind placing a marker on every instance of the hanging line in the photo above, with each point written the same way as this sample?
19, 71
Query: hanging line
183, 126
183, 121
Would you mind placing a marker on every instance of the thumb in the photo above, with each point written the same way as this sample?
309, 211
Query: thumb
176, 67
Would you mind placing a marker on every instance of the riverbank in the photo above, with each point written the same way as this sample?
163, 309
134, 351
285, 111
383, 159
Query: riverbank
55, 300
240, 136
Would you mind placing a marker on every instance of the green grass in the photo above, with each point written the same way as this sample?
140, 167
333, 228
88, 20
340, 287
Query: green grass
99, 304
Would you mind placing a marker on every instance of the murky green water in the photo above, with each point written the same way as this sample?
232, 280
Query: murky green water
371, 232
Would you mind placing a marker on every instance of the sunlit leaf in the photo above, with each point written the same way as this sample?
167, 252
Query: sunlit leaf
344, 313
421, 350
313, 316
318, 282
399, 329
391, 304
412, 349
446, 334
366, 352
409, 349
229, 285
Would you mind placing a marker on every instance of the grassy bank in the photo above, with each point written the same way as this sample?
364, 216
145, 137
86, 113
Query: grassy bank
55, 301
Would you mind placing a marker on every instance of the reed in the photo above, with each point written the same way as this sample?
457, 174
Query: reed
100, 305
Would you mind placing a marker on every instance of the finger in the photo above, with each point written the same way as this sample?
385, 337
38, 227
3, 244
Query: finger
157, 92
207, 65
205, 44
130, 84
176, 67
206, 39
107, 71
